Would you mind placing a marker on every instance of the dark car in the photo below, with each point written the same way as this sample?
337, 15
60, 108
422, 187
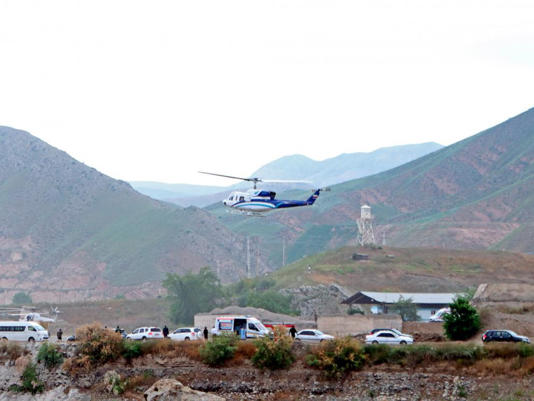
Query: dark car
503, 336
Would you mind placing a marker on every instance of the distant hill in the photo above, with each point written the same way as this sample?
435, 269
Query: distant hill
475, 194
68, 232
331, 171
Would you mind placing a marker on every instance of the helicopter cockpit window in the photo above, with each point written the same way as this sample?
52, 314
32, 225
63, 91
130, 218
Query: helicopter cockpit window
231, 197
241, 198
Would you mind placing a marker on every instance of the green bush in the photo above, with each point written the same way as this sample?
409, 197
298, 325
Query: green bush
274, 353
131, 350
463, 322
30, 381
50, 355
220, 349
337, 357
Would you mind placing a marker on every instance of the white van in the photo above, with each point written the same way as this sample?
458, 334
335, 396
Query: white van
233, 324
438, 316
22, 331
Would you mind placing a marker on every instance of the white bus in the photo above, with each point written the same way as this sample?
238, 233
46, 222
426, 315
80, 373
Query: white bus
22, 331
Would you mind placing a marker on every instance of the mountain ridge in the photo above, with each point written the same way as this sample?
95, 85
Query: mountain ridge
321, 173
477, 193
68, 230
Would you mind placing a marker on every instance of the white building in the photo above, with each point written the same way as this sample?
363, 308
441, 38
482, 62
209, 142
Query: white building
379, 302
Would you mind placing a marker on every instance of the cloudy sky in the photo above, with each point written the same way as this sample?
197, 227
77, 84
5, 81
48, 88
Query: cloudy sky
157, 90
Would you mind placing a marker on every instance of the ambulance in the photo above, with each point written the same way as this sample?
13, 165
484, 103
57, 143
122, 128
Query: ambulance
252, 327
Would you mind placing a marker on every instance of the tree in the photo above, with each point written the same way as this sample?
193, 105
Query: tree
463, 322
21, 298
192, 293
406, 308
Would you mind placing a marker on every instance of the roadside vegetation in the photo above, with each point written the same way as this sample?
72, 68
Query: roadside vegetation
463, 321
192, 293
335, 359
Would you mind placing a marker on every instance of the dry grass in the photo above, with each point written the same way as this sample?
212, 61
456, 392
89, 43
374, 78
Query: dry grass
144, 380
11, 351
516, 310
170, 348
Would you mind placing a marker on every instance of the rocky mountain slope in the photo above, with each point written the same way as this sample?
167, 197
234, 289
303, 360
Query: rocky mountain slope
68, 232
475, 194
330, 171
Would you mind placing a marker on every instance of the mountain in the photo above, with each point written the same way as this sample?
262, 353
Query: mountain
345, 167
163, 191
68, 232
475, 194
331, 171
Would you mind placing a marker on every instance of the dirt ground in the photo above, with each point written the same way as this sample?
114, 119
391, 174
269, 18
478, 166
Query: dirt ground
440, 382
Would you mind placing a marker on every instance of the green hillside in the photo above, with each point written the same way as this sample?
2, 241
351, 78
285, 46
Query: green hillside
475, 194
66, 228
407, 269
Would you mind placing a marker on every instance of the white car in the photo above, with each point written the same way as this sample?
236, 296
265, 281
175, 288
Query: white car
145, 333
312, 336
186, 334
438, 316
388, 337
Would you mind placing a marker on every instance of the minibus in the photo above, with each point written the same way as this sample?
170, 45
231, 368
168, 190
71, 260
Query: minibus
22, 331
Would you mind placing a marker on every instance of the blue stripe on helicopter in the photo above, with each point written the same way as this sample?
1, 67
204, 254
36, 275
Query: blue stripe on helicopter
264, 204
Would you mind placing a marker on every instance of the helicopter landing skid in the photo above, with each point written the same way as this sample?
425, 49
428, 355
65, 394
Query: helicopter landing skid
245, 213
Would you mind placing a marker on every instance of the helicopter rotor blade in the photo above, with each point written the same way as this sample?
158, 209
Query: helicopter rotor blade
234, 177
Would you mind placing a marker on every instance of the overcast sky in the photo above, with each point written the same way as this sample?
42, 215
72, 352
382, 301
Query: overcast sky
157, 90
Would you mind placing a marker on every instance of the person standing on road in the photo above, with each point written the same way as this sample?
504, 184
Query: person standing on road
292, 331
165, 331
59, 334
205, 333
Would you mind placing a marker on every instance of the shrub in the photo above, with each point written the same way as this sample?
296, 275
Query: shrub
50, 355
30, 381
130, 350
462, 322
274, 353
98, 344
219, 350
114, 383
377, 353
12, 350
337, 357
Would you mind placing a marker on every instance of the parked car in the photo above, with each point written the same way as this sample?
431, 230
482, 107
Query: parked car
145, 333
503, 336
388, 337
186, 334
312, 336
438, 316
392, 330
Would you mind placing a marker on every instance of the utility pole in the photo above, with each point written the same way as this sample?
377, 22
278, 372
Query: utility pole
248, 257
257, 256
283, 251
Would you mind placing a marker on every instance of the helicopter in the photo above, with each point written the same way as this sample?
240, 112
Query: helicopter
25, 315
257, 201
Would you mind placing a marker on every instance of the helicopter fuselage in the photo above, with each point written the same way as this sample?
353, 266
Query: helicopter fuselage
257, 200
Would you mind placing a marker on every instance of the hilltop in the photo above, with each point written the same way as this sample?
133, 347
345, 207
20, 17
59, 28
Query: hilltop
407, 269
475, 194
68, 232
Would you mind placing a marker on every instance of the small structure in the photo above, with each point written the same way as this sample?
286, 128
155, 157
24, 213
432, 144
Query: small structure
380, 302
366, 235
